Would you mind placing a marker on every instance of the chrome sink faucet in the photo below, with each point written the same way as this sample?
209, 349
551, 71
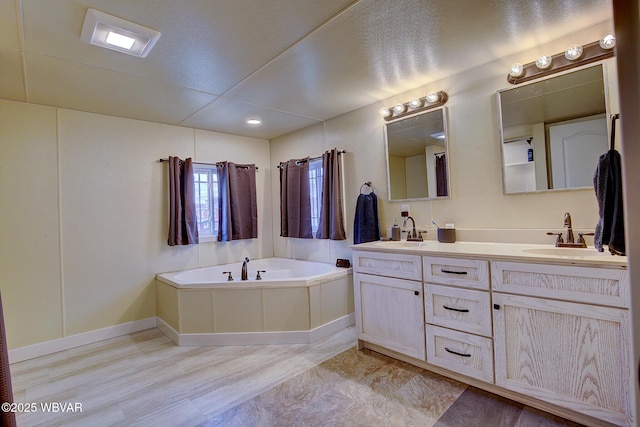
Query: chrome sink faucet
245, 275
567, 223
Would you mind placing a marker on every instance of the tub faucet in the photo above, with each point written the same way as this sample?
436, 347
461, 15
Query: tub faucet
567, 223
245, 275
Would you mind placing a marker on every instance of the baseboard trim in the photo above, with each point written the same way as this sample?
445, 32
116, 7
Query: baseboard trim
41, 349
257, 338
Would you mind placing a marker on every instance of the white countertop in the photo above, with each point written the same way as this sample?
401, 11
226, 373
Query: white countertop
506, 251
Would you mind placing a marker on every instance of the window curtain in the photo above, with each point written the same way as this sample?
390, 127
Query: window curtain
8, 418
183, 224
238, 207
295, 199
441, 176
331, 222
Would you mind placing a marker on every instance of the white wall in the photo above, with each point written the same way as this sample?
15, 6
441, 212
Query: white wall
477, 204
84, 218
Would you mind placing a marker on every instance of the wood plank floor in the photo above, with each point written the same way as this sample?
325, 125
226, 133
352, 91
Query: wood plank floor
143, 379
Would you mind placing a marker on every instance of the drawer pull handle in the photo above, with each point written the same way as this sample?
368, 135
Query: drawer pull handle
452, 272
457, 354
461, 310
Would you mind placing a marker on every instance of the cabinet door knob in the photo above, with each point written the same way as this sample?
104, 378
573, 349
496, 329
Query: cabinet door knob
496, 306
416, 292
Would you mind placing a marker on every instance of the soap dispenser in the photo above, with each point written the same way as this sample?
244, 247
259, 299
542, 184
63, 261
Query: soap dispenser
395, 230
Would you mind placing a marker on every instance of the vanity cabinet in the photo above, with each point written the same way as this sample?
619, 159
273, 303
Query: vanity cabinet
573, 354
388, 301
552, 333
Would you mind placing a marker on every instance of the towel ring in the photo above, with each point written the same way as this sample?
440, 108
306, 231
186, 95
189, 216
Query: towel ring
366, 184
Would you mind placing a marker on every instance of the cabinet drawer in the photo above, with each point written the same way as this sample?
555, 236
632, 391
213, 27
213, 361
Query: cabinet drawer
456, 272
602, 286
385, 264
467, 354
462, 309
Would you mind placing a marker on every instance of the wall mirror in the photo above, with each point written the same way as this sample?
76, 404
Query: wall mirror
553, 131
417, 159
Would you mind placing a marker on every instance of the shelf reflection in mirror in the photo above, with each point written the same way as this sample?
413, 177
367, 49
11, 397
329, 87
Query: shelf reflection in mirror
553, 131
417, 156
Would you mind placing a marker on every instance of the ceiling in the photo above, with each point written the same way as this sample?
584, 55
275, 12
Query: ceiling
290, 63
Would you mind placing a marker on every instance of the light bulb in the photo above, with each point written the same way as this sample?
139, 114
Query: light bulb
543, 62
415, 103
573, 53
400, 108
608, 41
385, 112
433, 97
517, 70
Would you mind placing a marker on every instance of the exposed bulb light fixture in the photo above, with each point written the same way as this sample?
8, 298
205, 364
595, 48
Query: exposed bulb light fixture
544, 62
101, 29
517, 70
574, 52
416, 103
608, 41
574, 56
399, 109
385, 112
254, 122
433, 97
432, 100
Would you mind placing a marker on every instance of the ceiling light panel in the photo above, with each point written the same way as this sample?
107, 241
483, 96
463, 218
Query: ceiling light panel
101, 29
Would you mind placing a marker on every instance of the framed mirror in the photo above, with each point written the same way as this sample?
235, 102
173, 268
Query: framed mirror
417, 157
553, 131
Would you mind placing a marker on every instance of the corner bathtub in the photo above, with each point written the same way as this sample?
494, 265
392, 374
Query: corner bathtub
295, 302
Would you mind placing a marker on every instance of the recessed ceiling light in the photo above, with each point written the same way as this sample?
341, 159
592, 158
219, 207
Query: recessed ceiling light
101, 29
254, 121
120, 40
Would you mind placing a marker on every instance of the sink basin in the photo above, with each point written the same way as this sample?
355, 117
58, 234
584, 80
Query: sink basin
399, 244
566, 252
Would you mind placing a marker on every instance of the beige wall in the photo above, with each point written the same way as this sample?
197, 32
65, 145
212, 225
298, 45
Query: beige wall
477, 205
84, 222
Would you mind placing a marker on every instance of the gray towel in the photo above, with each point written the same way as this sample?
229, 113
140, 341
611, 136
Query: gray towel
607, 182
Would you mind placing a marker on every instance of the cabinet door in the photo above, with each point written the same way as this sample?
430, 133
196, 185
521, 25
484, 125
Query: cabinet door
390, 313
573, 355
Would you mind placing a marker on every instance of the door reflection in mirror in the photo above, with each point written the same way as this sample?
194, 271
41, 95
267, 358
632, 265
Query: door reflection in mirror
553, 131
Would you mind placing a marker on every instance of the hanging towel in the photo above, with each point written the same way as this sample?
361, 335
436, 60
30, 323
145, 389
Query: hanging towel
366, 227
607, 182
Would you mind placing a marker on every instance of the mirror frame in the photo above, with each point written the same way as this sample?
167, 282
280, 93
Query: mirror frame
443, 111
605, 79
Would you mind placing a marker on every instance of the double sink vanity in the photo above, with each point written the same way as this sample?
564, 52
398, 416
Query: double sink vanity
548, 327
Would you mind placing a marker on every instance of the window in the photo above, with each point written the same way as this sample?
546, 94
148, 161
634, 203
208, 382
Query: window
205, 178
315, 184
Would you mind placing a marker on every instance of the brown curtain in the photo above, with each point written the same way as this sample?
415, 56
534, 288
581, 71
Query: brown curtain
183, 224
331, 222
6, 390
295, 200
238, 207
441, 176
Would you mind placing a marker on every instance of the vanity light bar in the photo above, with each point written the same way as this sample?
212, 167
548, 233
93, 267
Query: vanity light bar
574, 56
432, 100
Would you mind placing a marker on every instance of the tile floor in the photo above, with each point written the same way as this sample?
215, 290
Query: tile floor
143, 379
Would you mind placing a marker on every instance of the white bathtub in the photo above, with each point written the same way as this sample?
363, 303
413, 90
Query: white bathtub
295, 302
280, 272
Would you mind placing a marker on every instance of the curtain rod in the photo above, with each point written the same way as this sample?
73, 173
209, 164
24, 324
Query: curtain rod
440, 154
310, 158
201, 163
